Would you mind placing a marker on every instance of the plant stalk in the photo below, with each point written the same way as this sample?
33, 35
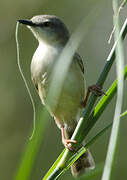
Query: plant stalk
79, 134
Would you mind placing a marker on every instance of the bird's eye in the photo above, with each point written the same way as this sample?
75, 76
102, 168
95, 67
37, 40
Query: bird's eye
46, 24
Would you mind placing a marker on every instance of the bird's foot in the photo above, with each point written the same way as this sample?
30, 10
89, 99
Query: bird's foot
96, 90
68, 143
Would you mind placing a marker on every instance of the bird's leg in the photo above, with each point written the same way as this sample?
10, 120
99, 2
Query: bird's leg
67, 142
94, 89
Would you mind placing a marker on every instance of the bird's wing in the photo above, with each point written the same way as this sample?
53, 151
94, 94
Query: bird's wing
79, 61
35, 83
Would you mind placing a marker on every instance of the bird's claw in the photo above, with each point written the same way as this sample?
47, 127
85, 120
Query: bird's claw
96, 90
68, 143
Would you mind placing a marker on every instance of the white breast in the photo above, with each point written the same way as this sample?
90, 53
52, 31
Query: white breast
42, 58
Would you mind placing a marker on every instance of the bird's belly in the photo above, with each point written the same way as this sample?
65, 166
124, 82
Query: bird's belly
65, 107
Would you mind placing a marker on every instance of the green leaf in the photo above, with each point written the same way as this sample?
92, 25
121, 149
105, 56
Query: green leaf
97, 112
54, 166
111, 153
83, 150
123, 114
32, 147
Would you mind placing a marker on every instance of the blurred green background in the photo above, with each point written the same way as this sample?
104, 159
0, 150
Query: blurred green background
15, 107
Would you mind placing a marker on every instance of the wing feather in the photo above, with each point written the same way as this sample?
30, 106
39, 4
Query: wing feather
79, 61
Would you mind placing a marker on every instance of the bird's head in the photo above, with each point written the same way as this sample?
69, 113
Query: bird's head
48, 28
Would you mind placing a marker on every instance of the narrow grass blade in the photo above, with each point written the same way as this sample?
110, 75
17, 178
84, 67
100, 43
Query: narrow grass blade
82, 150
32, 147
102, 104
97, 112
116, 122
54, 166
123, 114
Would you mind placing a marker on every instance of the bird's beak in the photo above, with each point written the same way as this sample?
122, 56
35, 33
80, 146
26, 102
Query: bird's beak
26, 22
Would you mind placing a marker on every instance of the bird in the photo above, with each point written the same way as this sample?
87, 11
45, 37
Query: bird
52, 36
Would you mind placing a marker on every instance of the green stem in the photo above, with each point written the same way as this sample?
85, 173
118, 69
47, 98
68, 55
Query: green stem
84, 122
98, 110
123, 114
81, 151
111, 152
102, 104
103, 75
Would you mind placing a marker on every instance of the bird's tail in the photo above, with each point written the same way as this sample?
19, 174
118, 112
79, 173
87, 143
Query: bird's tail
83, 164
